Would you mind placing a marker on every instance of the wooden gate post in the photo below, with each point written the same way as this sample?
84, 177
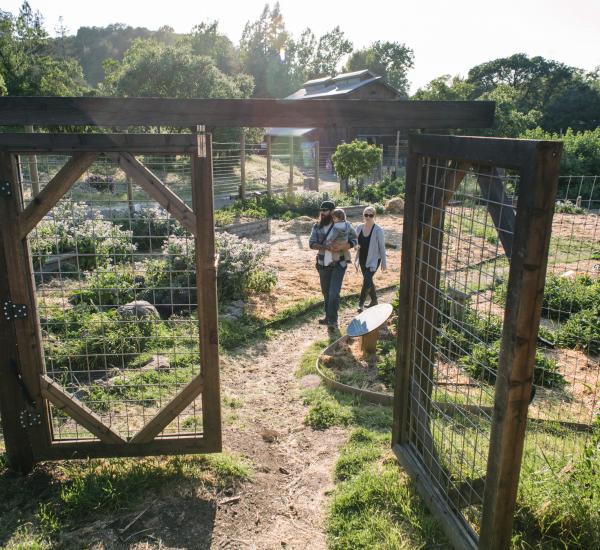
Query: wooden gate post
206, 282
19, 296
317, 175
539, 182
243, 165
291, 180
269, 174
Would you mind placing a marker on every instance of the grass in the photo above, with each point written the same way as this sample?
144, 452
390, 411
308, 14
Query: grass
36, 510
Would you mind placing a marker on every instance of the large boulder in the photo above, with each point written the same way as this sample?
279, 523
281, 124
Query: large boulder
394, 206
138, 309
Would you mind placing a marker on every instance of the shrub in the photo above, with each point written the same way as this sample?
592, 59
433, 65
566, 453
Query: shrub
482, 364
379, 192
356, 159
582, 330
386, 363
240, 270
567, 207
564, 297
150, 226
109, 286
77, 228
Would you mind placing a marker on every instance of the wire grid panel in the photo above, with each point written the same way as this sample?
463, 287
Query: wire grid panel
566, 406
116, 294
457, 328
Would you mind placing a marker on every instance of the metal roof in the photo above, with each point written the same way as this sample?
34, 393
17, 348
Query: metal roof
287, 132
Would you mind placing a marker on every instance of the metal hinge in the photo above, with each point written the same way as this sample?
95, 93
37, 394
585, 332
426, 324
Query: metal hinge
5, 189
28, 417
14, 311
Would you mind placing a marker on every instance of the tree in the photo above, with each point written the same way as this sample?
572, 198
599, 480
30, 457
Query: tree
206, 40
392, 60
150, 68
535, 79
331, 48
576, 106
446, 88
508, 120
355, 160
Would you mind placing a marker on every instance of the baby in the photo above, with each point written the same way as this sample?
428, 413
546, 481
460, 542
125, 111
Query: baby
339, 234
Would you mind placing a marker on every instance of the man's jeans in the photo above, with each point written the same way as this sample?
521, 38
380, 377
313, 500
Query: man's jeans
331, 284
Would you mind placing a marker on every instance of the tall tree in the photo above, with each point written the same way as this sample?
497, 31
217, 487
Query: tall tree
206, 40
392, 60
446, 88
332, 47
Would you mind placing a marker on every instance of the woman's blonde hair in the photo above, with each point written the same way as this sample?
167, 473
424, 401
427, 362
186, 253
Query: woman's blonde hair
339, 213
369, 210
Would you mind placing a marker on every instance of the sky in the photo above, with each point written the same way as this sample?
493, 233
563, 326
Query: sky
447, 37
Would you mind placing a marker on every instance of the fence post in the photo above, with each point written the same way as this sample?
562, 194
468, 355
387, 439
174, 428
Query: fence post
18, 287
206, 283
317, 153
539, 180
243, 165
269, 174
291, 180
33, 169
397, 152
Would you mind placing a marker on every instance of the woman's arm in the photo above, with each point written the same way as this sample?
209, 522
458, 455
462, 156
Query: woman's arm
381, 242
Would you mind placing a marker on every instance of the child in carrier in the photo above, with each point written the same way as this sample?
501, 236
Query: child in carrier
339, 234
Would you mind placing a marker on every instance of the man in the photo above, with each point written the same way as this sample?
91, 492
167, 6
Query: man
330, 276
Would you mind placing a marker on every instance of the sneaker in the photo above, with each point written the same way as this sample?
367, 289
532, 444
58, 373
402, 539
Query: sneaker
332, 327
371, 304
324, 321
361, 307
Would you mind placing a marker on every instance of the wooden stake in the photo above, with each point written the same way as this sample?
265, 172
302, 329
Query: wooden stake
243, 165
269, 175
33, 169
317, 174
291, 180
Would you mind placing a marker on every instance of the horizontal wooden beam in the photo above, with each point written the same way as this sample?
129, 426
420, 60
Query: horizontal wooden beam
180, 444
174, 407
150, 183
104, 143
78, 411
321, 113
54, 191
500, 152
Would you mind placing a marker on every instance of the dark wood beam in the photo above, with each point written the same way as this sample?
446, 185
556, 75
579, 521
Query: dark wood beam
101, 111
105, 143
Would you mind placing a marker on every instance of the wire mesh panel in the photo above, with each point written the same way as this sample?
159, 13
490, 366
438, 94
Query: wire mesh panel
461, 239
115, 284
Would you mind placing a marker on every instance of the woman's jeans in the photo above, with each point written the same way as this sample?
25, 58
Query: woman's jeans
331, 278
367, 286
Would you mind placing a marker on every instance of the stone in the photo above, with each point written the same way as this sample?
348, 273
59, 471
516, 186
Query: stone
310, 381
157, 362
568, 274
395, 205
139, 309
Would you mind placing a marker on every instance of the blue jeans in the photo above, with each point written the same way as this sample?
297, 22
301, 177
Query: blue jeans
331, 284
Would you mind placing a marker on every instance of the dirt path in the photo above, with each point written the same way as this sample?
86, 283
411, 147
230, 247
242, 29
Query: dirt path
284, 506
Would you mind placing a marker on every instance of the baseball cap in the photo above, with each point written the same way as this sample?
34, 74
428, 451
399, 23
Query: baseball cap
327, 205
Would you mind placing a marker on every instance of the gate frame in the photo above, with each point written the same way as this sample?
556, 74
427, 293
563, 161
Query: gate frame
25, 391
537, 163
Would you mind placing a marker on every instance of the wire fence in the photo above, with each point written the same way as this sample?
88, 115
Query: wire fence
116, 294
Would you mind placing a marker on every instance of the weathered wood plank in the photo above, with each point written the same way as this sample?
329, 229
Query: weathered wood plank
322, 113
78, 411
501, 152
158, 191
174, 407
105, 143
19, 276
180, 444
54, 191
206, 281
539, 182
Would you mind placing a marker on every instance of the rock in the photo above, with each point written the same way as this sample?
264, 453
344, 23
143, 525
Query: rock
310, 381
270, 436
395, 205
158, 362
228, 317
568, 274
139, 309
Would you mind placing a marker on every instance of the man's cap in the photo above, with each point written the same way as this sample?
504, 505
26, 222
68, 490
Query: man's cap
327, 205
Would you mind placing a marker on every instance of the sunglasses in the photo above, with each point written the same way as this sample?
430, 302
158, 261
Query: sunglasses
369, 215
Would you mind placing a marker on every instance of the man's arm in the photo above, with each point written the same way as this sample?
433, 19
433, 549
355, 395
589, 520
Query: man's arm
313, 241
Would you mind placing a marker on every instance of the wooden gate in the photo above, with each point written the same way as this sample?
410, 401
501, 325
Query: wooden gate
64, 391
477, 226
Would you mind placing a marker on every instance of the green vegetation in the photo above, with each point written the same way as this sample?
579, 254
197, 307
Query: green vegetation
355, 160
36, 510
567, 207
582, 330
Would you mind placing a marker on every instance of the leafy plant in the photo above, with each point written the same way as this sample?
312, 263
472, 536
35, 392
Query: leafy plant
356, 159
582, 330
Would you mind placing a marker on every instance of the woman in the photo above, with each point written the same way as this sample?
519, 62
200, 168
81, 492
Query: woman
371, 254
